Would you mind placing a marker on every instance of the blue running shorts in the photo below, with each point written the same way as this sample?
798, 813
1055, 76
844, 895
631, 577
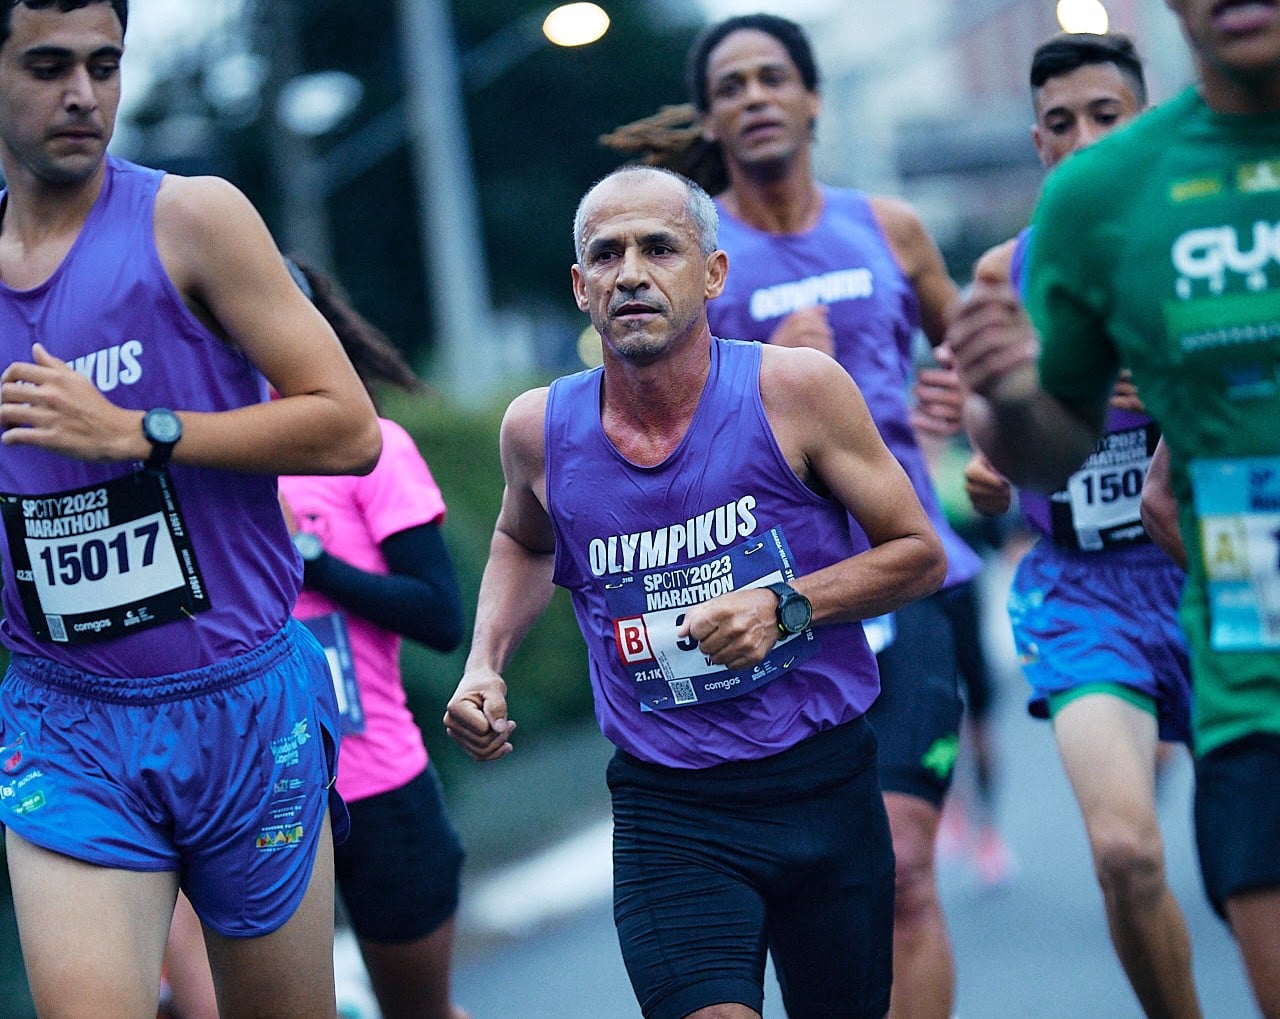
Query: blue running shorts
1084, 619
222, 774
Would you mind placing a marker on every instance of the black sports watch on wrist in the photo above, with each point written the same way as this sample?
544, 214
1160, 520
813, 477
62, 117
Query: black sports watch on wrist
163, 429
308, 546
795, 612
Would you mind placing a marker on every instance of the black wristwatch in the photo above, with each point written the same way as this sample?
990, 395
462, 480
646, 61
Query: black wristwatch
308, 546
795, 613
163, 430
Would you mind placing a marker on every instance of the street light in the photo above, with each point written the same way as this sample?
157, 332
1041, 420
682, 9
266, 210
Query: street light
448, 216
569, 25
1083, 16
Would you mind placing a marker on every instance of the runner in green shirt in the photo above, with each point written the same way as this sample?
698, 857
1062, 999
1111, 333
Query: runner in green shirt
1159, 248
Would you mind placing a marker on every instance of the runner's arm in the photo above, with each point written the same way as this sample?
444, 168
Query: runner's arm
823, 426
417, 599
224, 262
921, 262
515, 589
1160, 510
1032, 438
220, 257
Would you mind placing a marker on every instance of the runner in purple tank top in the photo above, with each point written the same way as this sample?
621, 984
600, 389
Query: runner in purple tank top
694, 496
162, 722
856, 277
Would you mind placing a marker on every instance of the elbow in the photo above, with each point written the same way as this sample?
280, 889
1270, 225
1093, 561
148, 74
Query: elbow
365, 449
933, 565
355, 451
440, 628
450, 632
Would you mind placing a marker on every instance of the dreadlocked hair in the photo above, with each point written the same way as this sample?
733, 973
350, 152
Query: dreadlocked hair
672, 139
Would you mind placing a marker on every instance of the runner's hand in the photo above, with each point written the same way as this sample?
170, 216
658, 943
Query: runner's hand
735, 630
939, 398
476, 718
994, 344
807, 327
45, 402
1124, 395
988, 489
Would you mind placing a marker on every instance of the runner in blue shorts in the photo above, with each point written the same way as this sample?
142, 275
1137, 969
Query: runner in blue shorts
1094, 604
163, 723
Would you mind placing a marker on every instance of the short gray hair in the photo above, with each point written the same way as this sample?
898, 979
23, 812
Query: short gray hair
699, 207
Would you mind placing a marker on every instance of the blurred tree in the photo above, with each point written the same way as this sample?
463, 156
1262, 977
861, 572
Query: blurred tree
533, 133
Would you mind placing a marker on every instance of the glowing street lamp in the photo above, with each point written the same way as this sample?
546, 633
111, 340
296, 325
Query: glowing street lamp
576, 24
1081, 16
436, 76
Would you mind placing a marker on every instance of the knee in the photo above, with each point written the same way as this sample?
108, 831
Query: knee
915, 882
1129, 863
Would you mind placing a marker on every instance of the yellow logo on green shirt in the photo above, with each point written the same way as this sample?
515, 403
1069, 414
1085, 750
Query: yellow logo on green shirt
1255, 178
1196, 187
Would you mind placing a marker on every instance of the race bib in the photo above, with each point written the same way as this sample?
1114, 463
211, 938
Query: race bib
649, 607
103, 561
1100, 507
331, 631
1237, 504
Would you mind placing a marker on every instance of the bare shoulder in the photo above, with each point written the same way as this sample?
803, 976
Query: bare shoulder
798, 382
198, 204
899, 220
204, 226
994, 264
522, 427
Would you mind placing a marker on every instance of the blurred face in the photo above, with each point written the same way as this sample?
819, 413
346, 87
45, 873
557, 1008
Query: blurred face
1074, 110
1235, 39
643, 278
758, 107
59, 90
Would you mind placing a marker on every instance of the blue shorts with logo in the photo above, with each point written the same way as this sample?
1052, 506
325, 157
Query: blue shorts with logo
1087, 618
222, 774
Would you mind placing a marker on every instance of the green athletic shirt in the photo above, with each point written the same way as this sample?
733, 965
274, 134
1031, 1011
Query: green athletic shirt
1159, 248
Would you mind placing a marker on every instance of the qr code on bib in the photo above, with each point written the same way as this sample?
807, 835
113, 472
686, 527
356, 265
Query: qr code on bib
57, 630
682, 691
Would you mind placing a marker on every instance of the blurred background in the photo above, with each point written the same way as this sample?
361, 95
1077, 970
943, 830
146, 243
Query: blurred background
429, 154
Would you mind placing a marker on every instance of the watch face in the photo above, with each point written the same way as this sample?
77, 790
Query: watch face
162, 426
795, 614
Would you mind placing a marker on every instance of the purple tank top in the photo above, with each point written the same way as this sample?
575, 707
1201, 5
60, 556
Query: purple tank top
111, 312
846, 263
635, 546
1098, 510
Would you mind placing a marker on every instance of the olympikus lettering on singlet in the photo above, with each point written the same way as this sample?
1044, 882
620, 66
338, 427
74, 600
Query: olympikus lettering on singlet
112, 366
665, 546
829, 288
1208, 254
